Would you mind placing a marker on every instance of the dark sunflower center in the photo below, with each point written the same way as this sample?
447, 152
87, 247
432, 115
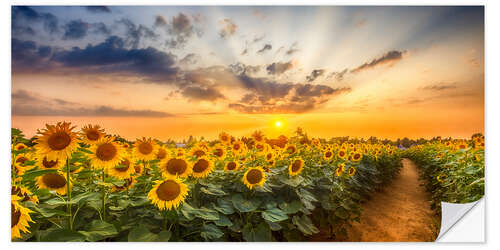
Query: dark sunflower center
22, 160
351, 171
200, 166
291, 149
145, 148
218, 152
269, 156
236, 146
296, 165
357, 156
92, 135
254, 176
328, 154
16, 215
106, 151
168, 190
124, 166
462, 146
176, 166
49, 164
224, 138
137, 169
259, 146
231, 165
162, 153
20, 147
199, 153
59, 141
54, 181
341, 153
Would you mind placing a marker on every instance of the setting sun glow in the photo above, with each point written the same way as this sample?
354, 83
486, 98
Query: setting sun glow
277, 124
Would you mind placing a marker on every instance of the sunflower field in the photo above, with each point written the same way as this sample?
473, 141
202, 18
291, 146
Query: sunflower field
86, 185
453, 170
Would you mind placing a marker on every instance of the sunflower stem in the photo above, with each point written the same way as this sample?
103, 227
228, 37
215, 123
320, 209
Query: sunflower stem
103, 198
68, 190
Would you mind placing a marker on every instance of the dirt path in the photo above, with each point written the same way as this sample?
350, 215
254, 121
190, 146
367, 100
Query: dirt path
400, 212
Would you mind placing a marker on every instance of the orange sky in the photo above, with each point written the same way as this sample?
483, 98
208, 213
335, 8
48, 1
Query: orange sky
334, 71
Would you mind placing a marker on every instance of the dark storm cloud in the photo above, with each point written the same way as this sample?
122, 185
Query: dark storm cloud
440, 86
98, 9
25, 103
100, 28
112, 57
75, 29
265, 48
229, 28
134, 33
279, 68
26, 55
23, 17
315, 74
202, 93
389, 57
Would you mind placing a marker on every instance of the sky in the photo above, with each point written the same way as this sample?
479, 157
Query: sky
175, 71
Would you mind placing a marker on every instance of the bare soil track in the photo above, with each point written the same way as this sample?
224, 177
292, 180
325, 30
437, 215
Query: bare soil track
399, 212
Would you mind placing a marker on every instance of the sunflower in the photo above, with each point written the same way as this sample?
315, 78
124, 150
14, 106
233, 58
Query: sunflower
296, 166
46, 164
106, 153
202, 167
91, 134
56, 141
54, 182
352, 171
219, 151
261, 147
269, 156
290, 149
128, 184
180, 152
20, 218
176, 167
342, 153
145, 149
316, 142
356, 157
122, 170
162, 153
258, 136
20, 146
139, 168
168, 194
232, 166
327, 155
197, 151
340, 169
21, 163
462, 145
253, 177
24, 194
238, 147
225, 138
441, 177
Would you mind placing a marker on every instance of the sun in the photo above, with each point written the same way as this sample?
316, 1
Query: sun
278, 124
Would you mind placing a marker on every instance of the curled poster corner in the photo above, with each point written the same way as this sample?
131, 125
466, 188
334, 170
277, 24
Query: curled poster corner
451, 213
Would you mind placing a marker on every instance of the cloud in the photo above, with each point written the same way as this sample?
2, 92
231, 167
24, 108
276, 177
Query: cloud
440, 86
98, 9
229, 28
293, 49
24, 16
389, 57
202, 93
279, 68
189, 59
315, 74
27, 56
240, 68
339, 75
134, 34
75, 29
100, 28
271, 97
26, 103
266, 47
